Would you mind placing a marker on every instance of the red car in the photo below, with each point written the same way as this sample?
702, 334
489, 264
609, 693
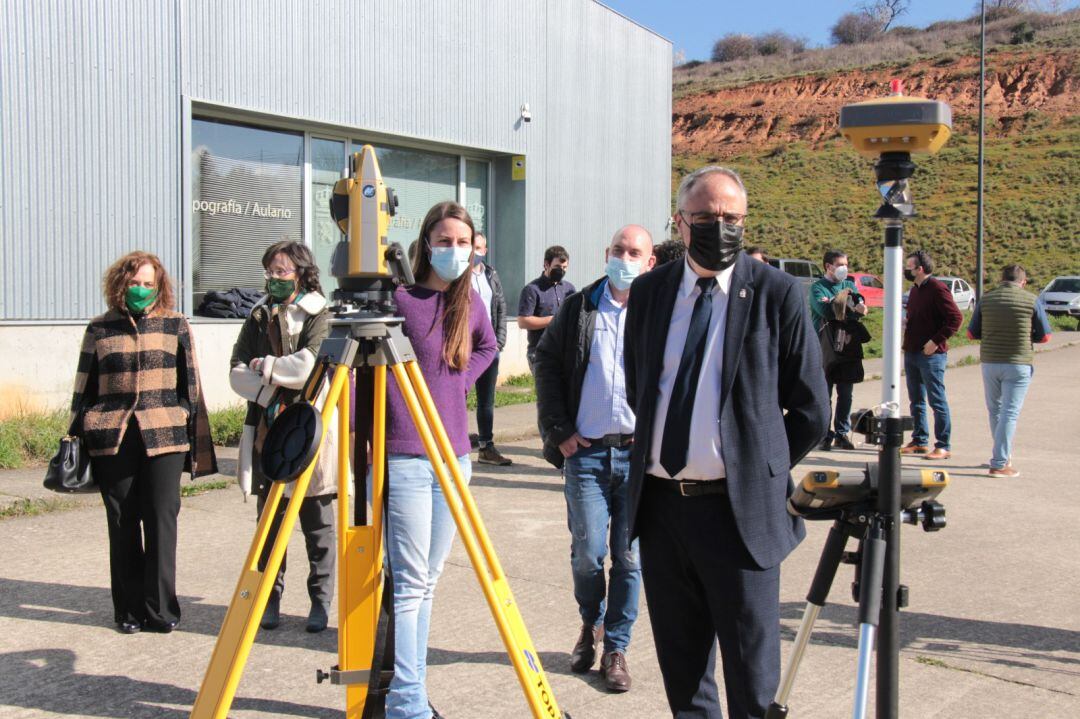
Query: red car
870, 287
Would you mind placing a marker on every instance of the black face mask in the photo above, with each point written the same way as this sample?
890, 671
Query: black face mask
556, 274
909, 275
717, 246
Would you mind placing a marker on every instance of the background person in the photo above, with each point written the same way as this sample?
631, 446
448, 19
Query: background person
587, 423
1007, 320
454, 343
143, 422
723, 372
668, 250
271, 360
486, 284
932, 318
541, 298
822, 295
757, 253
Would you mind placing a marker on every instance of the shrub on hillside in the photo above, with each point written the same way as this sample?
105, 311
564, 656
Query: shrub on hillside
779, 43
734, 46
854, 28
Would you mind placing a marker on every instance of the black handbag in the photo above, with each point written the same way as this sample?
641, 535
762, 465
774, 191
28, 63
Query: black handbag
69, 470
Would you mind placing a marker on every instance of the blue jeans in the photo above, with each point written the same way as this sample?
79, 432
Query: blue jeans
842, 418
419, 532
596, 498
485, 403
1005, 385
926, 381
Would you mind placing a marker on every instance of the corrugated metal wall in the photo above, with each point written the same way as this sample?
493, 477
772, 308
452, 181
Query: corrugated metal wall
89, 148
91, 115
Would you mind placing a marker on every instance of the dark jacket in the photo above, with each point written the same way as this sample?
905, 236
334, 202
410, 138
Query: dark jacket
774, 405
144, 368
561, 360
498, 305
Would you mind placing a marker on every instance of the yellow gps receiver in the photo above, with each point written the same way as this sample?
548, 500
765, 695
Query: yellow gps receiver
896, 124
362, 205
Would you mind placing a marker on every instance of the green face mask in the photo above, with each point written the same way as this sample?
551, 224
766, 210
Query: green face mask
139, 298
281, 290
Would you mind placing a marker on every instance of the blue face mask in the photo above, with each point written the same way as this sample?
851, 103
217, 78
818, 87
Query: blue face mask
621, 273
450, 262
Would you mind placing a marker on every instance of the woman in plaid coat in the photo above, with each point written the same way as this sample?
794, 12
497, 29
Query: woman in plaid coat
143, 422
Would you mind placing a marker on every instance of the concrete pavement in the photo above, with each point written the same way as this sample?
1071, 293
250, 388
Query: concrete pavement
992, 630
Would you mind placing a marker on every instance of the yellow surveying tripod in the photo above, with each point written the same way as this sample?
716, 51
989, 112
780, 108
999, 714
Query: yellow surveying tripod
366, 336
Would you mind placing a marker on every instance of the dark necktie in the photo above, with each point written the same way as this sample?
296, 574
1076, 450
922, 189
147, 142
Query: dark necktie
681, 408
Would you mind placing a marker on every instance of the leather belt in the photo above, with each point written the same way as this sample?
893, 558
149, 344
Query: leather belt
611, 440
689, 487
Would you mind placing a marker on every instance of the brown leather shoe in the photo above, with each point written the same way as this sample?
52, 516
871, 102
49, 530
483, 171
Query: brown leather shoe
912, 448
1007, 471
938, 453
614, 671
584, 654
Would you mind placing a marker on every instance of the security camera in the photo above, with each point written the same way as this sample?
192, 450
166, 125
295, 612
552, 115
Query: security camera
896, 124
525, 114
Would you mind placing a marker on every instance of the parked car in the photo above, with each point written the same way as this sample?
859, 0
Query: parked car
1062, 296
962, 294
804, 270
870, 287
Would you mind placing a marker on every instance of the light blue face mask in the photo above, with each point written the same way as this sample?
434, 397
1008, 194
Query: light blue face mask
621, 273
450, 263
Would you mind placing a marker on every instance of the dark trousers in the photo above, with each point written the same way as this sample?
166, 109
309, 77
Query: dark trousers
142, 500
317, 523
842, 414
485, 403
703, 588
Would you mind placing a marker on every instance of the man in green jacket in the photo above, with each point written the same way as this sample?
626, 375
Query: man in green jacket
822, 293
1007, 320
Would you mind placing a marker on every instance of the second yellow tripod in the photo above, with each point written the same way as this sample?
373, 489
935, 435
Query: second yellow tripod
291, 450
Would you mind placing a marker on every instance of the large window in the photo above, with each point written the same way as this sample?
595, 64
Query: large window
247, 195
420, 179
476, 193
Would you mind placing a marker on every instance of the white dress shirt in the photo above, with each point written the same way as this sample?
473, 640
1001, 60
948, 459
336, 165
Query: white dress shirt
704, 456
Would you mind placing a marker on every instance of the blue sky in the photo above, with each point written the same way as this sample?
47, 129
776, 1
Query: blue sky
693, 25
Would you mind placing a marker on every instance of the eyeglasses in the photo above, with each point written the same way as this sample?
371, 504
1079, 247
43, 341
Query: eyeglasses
708, 219
279, 274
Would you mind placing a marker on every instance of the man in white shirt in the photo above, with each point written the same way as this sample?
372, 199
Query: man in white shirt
723, 371
486, 282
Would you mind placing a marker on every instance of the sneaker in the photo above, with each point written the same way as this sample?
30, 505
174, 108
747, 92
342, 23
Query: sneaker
490, 455
842, 441
615, 672
584, 654
1008, 471
938, 453
474, 440
271, 617
914, 448
317, 618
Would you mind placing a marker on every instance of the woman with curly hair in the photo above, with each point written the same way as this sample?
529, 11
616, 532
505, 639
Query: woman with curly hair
271, 361
141, 415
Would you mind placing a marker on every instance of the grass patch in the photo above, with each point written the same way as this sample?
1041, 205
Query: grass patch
227, 424
520, 380
1062, 323
194, 490
519, 389
931, 662
36, 507
968, 361
31, 438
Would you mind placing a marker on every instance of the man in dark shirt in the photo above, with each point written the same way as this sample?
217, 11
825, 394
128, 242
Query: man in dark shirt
541, 298
932, 318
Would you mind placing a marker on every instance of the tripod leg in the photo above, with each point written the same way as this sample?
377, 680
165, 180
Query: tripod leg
253, 588
870, 594
831, 556
504, 609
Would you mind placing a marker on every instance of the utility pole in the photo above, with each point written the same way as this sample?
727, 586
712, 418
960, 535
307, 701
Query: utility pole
982, 118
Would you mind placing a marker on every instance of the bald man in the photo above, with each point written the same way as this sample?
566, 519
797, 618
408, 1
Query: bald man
588, 429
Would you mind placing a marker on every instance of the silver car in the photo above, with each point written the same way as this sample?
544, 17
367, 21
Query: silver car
1062, 296
962, 294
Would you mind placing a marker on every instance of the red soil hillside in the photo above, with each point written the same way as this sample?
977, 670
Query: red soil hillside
750, 117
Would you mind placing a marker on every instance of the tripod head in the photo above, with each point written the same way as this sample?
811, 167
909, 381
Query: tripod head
366, 265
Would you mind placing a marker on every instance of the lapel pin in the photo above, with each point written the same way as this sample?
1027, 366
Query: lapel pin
742, 293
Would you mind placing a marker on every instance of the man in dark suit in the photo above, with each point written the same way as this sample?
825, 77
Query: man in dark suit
723, 371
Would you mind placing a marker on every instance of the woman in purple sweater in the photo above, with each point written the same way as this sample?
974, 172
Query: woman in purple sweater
454, 343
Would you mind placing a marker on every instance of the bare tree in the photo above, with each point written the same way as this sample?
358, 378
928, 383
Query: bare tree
855, 27
884, 11
733, 47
